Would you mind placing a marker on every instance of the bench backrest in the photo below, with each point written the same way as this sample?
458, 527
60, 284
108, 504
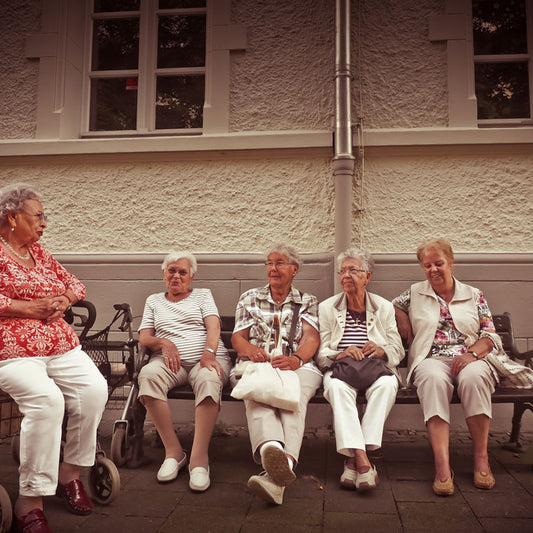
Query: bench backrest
502, 323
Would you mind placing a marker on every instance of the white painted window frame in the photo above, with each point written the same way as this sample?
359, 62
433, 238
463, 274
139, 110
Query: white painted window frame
60, 48
455, 27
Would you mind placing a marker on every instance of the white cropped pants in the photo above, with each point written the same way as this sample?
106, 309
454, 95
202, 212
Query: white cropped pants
351, 433
44, 388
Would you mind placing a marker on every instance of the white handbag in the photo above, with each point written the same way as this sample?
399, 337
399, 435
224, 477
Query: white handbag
263, 383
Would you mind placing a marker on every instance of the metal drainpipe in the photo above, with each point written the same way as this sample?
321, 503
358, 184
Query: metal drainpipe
344, 160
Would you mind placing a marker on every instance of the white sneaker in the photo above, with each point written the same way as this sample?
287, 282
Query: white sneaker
348, 477
368, 480
170, 468
264, 487
199, 479
276, 463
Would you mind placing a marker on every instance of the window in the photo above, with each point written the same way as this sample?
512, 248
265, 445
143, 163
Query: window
503, 70
147, 66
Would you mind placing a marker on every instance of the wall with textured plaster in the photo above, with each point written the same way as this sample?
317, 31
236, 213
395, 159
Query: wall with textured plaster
204, 206
19, 79
283, 80
482, 203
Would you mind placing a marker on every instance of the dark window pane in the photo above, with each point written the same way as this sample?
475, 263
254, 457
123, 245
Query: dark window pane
113, 104
502, 90
108, 6
180, 102
175, 4
499, 27
181, 41
115, 44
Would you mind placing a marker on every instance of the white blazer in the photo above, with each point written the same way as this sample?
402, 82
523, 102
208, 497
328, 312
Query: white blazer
381, 329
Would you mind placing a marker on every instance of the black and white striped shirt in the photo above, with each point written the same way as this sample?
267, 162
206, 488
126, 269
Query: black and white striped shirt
182, 322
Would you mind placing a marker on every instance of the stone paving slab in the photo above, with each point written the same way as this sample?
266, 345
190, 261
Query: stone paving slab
315, 502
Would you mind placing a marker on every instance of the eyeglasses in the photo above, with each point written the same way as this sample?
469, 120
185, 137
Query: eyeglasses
351, 271
40, 216
181, 273
277, 264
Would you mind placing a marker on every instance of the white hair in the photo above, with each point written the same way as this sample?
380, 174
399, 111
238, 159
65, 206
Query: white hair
288, 251
172, 257
355, 253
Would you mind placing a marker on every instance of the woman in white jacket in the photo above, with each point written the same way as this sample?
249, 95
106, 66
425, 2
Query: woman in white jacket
358, 324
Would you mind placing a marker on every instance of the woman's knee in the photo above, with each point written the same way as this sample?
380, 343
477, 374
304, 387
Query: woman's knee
48, 408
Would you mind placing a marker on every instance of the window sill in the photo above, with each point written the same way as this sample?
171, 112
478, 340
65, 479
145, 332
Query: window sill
320, 142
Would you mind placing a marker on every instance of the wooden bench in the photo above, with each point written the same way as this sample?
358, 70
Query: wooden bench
521, 399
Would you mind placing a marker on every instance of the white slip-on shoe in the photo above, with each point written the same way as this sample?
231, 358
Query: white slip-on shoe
276, 463
170, 468
348, 478
368, 480
264, 487
199, 479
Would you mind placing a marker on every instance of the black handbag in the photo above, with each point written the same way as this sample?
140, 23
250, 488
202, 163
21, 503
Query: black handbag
360, 374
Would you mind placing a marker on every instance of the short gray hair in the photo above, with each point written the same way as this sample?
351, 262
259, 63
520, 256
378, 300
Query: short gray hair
367, 262
172, 257
288, 251
12, 199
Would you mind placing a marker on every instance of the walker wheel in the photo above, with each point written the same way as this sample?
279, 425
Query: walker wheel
119, 446
104, 480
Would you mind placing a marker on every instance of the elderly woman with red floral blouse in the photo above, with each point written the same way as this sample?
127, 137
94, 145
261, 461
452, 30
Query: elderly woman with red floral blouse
42, 366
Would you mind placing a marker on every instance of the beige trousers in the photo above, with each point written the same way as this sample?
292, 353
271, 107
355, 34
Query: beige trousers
269, 423
434, 382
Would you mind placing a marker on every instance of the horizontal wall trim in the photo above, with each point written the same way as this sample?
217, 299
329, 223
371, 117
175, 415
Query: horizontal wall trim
255, 258
261, 144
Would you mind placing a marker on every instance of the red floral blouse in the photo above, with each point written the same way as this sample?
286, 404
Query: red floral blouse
28, 337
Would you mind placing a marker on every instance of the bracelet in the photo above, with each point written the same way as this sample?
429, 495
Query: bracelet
298, 357
474, 354
70, 302
210, 350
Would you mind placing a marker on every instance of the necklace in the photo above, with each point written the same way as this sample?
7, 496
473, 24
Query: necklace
359, 317
23, 257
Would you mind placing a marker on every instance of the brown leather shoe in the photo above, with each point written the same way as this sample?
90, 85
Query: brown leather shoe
444, 487
76, 498
33, 522
484, 480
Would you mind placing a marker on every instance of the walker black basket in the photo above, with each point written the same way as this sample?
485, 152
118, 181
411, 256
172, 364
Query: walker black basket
114, 358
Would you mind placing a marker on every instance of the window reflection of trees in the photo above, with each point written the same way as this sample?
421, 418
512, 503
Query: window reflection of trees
502, 84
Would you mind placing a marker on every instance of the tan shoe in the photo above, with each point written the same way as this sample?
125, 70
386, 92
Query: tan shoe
484, 480
444, 487
275, 462
264, 487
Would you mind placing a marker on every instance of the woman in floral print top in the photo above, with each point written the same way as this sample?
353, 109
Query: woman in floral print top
42, 366
450, 331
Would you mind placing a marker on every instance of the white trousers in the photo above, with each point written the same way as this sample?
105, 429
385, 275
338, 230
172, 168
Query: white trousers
269, 423
434, 383
351, 433
44, 388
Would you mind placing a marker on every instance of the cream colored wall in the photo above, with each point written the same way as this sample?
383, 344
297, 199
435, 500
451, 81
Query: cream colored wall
481, 201
130, 197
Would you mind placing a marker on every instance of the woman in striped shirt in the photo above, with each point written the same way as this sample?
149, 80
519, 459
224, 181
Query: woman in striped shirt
181, 327
358, 324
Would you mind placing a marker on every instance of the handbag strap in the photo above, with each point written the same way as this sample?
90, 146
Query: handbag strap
292, 333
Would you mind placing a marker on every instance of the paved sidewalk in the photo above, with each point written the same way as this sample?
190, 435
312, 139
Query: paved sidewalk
315, 502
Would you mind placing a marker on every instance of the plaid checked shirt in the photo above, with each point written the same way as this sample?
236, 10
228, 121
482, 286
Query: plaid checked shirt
256, 310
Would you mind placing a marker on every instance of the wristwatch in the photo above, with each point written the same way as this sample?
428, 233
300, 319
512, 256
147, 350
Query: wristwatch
209, 350
474, 354
298, 357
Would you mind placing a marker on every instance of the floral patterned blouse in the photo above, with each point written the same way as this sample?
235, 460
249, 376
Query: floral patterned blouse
449, 341
28, 337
